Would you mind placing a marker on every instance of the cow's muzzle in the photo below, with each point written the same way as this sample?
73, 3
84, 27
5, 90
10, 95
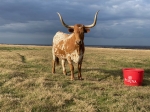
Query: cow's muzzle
78, 42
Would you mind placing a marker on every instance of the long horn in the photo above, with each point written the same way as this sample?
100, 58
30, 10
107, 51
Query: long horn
63, 23
94, 23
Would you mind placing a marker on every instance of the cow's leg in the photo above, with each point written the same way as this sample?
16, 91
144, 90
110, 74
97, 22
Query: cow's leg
53, 63
72, 71
71, 68
53, 66
79, 70
63, 66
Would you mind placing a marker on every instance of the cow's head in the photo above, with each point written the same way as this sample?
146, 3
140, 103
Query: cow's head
79, 29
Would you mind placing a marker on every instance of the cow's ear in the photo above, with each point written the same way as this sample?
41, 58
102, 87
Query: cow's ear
86, 30
71, 30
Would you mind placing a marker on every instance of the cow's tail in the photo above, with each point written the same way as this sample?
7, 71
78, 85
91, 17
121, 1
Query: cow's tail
57, 60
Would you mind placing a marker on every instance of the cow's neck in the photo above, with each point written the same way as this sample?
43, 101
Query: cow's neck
78, 47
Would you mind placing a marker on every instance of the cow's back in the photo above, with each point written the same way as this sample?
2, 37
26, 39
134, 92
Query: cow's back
59, 36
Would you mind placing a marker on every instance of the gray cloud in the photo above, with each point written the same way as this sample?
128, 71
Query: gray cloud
119, 22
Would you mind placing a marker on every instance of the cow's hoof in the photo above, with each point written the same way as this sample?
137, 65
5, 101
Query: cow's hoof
80, 78
72, 79
65, 73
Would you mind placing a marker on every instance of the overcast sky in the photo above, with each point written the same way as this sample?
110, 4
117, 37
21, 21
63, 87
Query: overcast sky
120, 22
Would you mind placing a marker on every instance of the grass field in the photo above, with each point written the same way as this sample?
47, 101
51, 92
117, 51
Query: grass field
27, 85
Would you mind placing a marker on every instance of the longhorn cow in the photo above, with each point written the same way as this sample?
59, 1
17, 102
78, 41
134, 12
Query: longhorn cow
70, 47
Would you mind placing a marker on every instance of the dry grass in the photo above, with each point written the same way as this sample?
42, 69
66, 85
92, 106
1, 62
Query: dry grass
26, 82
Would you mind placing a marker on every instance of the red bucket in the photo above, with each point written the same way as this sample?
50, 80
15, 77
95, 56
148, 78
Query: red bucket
133, 76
